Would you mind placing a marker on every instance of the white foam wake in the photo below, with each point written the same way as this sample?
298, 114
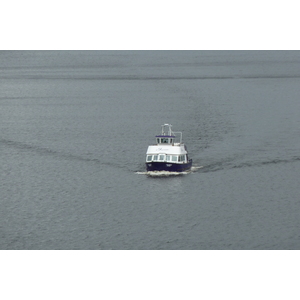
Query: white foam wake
194, 169
167, 173
161, 173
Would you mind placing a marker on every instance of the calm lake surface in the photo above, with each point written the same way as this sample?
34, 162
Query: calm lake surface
75, 127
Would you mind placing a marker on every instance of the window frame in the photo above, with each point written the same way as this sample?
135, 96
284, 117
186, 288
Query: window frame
161, 157
174, 158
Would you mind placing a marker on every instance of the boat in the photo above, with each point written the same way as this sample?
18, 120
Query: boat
168, 154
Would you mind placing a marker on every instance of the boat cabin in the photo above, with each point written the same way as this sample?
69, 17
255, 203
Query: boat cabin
167, 136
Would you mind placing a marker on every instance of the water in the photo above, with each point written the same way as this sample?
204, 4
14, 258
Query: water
75, 127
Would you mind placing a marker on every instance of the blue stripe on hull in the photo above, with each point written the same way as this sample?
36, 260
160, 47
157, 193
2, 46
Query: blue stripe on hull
163, 166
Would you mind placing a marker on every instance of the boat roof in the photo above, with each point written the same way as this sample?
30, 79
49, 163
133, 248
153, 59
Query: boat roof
167, 149
165, 136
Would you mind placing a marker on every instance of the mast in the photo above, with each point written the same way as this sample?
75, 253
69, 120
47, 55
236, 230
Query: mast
170, 132
169, 129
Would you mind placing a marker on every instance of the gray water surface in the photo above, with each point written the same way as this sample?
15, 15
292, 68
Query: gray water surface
75, 126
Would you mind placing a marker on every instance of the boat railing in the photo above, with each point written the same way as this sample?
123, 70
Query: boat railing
180, 139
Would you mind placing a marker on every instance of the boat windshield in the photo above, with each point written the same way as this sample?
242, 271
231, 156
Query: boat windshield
164, 140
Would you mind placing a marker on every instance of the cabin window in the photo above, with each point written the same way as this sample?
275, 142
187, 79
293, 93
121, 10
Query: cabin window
181, 158
164, 141
174, 158
155, 157
161, 157
157, 141
168, 158
149, 157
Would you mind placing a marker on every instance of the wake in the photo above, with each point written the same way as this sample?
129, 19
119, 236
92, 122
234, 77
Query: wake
167, 173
